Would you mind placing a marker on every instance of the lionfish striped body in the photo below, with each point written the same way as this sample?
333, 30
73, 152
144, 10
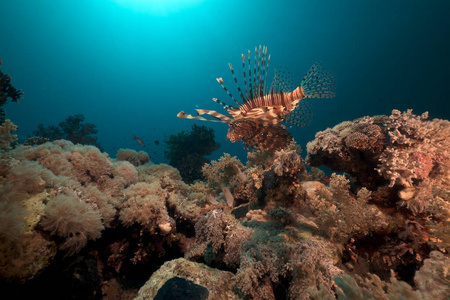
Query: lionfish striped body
257, 120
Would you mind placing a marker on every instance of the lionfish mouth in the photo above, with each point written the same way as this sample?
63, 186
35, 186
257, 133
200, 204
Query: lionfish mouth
257, 119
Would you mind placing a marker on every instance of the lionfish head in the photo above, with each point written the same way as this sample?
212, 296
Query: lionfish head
255, 135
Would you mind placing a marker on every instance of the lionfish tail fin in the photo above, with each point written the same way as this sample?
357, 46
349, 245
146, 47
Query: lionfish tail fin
318, 83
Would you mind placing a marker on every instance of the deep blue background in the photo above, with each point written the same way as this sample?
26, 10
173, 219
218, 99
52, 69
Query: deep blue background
130, 72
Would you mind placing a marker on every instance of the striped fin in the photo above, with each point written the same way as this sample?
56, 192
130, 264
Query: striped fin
245, 79
318, 83
220, 118
220, 81
256, 86
226, 106
301, 115
250, 77
282, 82
255, 79
235, 81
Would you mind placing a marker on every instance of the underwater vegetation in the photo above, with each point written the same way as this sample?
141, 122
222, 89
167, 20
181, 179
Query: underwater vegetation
186, 151
72, 129
7, 91
76, 223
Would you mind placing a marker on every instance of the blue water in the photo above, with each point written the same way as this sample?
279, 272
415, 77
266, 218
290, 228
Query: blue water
130, 69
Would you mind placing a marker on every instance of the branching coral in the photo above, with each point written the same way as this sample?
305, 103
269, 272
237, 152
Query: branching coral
7, 91
187, 151
72, 129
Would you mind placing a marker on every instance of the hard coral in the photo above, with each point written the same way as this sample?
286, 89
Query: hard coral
417, 159
351, 147
407, 150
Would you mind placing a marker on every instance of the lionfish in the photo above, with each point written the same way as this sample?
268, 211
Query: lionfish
257, 120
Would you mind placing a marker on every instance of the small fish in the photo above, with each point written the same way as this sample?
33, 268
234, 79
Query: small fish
156, 142
257, 120
139, 140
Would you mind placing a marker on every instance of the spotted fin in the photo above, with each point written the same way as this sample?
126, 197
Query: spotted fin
318, 83
301, 115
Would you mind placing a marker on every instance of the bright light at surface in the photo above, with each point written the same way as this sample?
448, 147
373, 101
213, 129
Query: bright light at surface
157, 7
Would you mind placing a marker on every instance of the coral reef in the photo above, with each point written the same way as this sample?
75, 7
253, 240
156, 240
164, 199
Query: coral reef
72, 129
409, 151
5, 134
133, 157
187, 151
269, 229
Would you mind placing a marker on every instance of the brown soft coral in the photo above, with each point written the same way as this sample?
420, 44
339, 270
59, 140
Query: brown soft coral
73, 220
89, 164
145, 205
132, 156
5, 134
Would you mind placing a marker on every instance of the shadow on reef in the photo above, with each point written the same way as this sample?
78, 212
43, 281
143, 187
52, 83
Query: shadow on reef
187, 151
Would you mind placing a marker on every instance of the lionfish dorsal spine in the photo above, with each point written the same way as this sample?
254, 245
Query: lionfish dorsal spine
235, 81
250, 77
220, 81
258, 80
225, 106
245, 79
255, 75
266, 71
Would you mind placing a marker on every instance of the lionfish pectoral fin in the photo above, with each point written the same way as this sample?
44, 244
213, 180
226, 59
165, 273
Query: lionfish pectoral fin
318, 83
301, 115
221, 118
215, 114
182, 115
